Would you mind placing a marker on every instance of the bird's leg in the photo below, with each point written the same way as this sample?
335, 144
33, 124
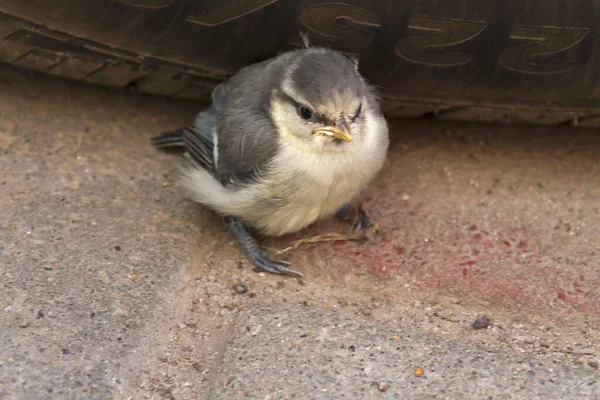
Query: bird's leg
256, 254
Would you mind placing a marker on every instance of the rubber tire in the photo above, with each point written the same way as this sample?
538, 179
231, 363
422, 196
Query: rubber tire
508, 61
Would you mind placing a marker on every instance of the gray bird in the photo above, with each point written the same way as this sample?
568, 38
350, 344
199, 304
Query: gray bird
285, 142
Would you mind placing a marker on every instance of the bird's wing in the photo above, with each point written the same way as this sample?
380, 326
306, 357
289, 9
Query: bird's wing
247, 142
197, 138
237, 123
247, 138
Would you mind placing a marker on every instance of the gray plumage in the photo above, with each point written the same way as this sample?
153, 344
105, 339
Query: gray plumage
256, 156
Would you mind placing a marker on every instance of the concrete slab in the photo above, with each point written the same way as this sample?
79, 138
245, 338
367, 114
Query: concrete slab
303, 352
89, 275
112, 285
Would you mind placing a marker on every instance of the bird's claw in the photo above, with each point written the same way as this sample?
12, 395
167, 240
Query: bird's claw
361, 221
371, 232
262, 260
365, 225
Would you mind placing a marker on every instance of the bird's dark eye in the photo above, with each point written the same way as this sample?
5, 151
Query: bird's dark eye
305, 112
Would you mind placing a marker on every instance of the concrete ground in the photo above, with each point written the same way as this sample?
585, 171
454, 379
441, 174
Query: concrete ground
114, 286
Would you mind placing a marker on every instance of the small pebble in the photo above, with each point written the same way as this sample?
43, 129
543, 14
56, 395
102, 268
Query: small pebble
419, 372
594, 364
481, 322
383, 386
240, 288
165, 184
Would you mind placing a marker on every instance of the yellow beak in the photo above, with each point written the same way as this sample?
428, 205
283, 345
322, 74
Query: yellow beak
341, 131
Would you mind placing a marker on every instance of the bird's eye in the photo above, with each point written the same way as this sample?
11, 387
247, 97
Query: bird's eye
305, 112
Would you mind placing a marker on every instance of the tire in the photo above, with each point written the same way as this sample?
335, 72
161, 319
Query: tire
497, 61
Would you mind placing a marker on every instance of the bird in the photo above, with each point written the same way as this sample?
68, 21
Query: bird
284, 143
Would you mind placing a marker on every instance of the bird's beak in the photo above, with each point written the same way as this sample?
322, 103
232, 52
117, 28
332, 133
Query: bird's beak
340, 131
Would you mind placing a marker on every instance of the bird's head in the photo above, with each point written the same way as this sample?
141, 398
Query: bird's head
322, 99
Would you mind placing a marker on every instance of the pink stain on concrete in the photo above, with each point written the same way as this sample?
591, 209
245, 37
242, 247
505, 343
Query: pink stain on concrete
488, 233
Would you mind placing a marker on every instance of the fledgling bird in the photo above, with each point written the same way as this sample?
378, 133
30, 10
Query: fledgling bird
285, 142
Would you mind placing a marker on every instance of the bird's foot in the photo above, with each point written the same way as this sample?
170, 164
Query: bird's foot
262, 260
257, 256
360, 220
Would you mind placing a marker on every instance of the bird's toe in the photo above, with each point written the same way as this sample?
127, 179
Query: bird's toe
262, 260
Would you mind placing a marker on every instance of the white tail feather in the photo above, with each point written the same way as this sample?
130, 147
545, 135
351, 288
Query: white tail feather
205, 189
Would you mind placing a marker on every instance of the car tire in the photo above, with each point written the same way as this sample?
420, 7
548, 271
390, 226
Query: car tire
494, 61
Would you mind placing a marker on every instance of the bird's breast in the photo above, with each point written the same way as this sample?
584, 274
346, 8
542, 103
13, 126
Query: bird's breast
301, 191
